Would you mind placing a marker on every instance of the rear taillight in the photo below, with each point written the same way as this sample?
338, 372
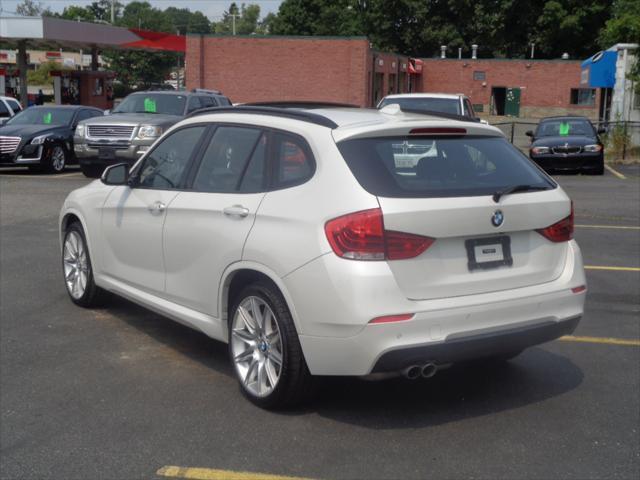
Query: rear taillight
361, 236
561, 231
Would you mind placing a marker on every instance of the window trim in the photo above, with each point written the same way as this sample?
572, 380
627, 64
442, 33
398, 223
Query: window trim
182, 184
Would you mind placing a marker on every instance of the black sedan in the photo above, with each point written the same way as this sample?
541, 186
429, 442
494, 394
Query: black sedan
42, 137
567, 143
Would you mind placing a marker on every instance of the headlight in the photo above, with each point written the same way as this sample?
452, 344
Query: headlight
149, 131
592, 148
80, 131
540, 150
39, 140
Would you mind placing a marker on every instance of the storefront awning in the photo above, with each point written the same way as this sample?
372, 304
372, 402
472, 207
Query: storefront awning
599, 71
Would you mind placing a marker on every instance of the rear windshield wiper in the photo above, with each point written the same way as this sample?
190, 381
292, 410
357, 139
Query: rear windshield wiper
516, 188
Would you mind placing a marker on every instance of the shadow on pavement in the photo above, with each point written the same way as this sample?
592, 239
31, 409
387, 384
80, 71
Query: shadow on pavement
463, 391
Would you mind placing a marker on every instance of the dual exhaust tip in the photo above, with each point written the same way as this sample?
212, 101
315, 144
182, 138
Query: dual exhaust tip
413, 372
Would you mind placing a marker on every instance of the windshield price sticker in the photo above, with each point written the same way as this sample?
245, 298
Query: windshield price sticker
149, 105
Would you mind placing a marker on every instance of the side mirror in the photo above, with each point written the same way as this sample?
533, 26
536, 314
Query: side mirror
602, 130
116, 174
529, 133
107, 111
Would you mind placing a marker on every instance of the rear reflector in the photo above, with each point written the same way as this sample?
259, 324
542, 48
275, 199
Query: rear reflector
361, 236
579, 289
561, 231
393, 318
438, 131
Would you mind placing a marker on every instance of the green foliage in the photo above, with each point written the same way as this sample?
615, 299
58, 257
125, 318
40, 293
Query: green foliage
32, 8
624, 27
318, 17
246, 20
40, 76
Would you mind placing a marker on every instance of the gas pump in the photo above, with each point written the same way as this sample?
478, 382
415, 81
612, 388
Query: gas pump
90, 88
10, 82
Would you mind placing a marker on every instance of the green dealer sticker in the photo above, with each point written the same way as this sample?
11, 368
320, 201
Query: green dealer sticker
149, 105
46, 118
564, 128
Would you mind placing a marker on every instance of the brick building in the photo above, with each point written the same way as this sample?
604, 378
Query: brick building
346, 70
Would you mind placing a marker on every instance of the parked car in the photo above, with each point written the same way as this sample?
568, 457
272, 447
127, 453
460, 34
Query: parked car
567, 143
8, 108
42, 137
297, 237
455, 104
132, 127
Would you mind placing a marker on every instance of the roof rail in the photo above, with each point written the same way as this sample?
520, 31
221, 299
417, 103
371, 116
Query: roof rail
302, 104
204, 90
271, 111
433, 113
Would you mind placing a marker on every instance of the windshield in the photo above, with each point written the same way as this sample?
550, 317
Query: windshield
439, 166
564, 127
444, 105
152, 103
43, 116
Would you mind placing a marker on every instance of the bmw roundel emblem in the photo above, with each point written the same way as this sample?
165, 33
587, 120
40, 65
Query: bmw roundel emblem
497, 219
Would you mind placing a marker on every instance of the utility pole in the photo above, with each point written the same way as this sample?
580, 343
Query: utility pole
533, 49
113, 11
233, 21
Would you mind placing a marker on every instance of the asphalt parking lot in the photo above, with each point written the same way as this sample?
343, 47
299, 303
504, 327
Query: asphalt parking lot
122, 393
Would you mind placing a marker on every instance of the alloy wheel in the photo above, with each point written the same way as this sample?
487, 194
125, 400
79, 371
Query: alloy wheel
256, 346
75, 265
58, 159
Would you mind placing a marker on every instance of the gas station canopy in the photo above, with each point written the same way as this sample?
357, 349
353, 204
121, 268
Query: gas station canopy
41, 31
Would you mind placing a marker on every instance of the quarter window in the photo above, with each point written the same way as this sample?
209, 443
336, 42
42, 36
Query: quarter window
225, 160
294, 161
15, 106
165, 166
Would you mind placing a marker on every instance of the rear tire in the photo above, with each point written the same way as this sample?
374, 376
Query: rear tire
77, 270
91, 171
264, 349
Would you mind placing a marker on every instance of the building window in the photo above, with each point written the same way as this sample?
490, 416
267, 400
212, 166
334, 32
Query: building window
478, 75
585, 97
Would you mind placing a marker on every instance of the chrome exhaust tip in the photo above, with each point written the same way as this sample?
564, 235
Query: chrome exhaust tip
428, 370
412, 372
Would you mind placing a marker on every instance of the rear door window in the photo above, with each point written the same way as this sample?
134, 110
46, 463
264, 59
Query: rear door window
15, 106
439, 166
4, 111
226, 160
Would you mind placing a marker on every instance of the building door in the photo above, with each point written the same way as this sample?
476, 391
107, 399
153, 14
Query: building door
498, 96
512, 102
378, 82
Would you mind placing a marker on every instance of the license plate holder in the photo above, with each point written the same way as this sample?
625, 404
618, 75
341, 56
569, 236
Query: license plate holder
106, 153
487, 253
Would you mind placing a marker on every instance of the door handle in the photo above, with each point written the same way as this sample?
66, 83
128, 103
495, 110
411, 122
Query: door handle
157, 207
236, 211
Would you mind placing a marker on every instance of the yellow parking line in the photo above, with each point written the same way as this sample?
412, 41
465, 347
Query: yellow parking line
620, 227
605, 340
615, 172
214, 474
615, 269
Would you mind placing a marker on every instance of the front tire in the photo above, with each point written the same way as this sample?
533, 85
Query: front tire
265, 350
57, 159
77, 269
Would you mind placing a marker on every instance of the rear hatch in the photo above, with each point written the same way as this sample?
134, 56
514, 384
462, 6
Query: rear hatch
484, 241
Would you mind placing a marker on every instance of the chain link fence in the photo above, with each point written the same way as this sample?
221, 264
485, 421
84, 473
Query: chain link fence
621, 139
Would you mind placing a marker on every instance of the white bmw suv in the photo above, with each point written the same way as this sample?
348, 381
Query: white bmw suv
308, 242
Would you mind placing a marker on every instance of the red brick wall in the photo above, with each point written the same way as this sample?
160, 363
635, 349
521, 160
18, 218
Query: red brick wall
545, 85
253, 69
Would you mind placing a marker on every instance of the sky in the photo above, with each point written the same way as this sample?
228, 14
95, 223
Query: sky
211, 8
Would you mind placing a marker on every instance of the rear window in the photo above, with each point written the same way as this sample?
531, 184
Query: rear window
444, 105
439, 166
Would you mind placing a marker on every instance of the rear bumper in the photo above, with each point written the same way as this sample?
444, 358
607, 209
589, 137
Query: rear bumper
477, 344
337, 339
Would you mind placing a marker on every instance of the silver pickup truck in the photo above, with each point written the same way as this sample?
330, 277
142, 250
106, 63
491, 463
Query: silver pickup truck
132, 127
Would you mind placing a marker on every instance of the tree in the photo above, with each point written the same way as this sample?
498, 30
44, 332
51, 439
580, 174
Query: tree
40, 76
186, 21
624, 27
32, 8
318, 17
246, 20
